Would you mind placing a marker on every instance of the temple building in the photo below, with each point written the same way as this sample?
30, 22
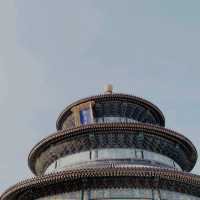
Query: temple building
110, 146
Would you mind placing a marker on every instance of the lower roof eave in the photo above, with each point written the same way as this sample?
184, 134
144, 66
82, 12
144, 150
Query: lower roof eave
160, 175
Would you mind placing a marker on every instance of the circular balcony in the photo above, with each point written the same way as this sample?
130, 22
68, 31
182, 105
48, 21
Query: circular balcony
138, 143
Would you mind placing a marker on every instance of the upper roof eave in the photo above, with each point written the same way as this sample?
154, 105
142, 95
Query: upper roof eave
113, 96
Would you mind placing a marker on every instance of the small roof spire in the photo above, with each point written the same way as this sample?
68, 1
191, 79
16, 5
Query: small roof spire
108, 89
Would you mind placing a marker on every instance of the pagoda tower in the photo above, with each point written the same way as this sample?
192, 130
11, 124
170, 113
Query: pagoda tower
110, 146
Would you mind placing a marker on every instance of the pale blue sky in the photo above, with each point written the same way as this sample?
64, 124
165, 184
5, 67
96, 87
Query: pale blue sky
53, 52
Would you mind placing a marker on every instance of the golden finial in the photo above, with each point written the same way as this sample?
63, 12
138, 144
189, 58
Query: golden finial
108, 89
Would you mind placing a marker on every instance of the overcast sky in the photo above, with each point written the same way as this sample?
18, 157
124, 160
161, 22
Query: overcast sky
53, 52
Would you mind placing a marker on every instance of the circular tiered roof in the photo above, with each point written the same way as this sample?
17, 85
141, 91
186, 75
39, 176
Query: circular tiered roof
155, 111
143, 129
